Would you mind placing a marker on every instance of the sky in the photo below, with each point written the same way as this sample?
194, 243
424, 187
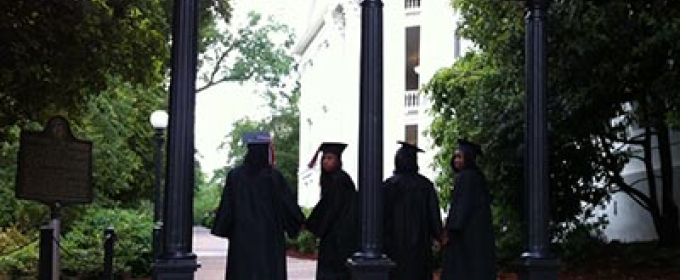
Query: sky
219, 107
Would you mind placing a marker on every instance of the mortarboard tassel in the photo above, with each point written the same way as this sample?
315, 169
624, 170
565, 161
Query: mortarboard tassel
314, 159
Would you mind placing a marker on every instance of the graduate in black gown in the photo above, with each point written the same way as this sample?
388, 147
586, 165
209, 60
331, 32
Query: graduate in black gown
255, 210
412, 218
469, 251
334, 219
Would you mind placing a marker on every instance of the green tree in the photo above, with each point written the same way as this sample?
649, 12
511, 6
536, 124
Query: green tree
611, 68
67, 58
283, 124
94, 61
58, 53
103, 65
24, 215
257, 52
116, 121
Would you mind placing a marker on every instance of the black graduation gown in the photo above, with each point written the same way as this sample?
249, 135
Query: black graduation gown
412, 223
253, 213
470, 253
334, 221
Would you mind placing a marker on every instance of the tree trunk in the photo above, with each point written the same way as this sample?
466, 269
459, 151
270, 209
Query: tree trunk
650, 121
654, 207
669, 235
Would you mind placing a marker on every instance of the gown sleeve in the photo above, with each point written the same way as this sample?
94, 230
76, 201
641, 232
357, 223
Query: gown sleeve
224, 218
292, 214
333, 199
462, 202
435, 216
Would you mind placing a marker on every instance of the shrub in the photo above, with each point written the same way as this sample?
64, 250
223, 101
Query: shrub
11, 239
305, 242
581, 241
18, 253
205, 204
133, 243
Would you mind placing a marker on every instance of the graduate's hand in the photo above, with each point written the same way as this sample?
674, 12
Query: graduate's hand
436, 246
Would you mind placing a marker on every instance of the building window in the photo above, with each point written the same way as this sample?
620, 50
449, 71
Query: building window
412, 134
412, 57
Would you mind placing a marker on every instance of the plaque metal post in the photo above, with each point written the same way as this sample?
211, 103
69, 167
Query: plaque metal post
55, 224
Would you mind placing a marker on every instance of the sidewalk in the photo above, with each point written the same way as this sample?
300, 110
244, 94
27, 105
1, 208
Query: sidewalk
212, 256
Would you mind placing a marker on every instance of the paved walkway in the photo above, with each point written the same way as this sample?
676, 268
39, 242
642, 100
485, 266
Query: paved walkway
212, 255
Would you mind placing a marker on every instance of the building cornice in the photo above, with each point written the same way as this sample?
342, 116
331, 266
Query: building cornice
311, 32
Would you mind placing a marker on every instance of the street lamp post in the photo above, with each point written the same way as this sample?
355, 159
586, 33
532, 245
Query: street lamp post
178, 262
537, 262
159, 122
369, 262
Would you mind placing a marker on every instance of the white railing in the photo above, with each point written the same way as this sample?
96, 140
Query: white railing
412, 4
411, 102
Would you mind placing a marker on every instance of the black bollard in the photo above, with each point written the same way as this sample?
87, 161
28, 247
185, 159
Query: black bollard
157, 241
46, 249
109, 240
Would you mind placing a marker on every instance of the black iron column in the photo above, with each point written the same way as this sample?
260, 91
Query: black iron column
537, 261
369, 262
177, 260
158, 195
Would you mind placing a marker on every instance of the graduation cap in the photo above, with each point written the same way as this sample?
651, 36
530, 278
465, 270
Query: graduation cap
260, 138
471, 147
256, 137
406, 146
328, 147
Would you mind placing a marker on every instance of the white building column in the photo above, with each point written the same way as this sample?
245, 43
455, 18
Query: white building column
394, 36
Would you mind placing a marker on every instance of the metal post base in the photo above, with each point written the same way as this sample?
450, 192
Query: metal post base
175, 269
370, 269
532, 268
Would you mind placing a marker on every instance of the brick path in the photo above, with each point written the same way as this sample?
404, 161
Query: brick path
212, 253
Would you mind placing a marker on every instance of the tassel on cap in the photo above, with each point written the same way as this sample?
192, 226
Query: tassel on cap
272, 154
314, 159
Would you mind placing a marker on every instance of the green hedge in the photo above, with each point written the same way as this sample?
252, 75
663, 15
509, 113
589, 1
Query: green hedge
18, 253
206, 200
305, 243
132, 249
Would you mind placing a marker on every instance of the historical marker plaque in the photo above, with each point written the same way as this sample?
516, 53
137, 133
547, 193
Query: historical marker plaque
54, 166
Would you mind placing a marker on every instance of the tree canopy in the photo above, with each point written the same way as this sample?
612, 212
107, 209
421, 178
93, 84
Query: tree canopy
58, 53
259, 52
103, 65
611, 70
283, 124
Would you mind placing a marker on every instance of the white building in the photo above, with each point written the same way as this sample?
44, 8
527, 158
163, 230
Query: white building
628, 221
330, 69
419, 39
